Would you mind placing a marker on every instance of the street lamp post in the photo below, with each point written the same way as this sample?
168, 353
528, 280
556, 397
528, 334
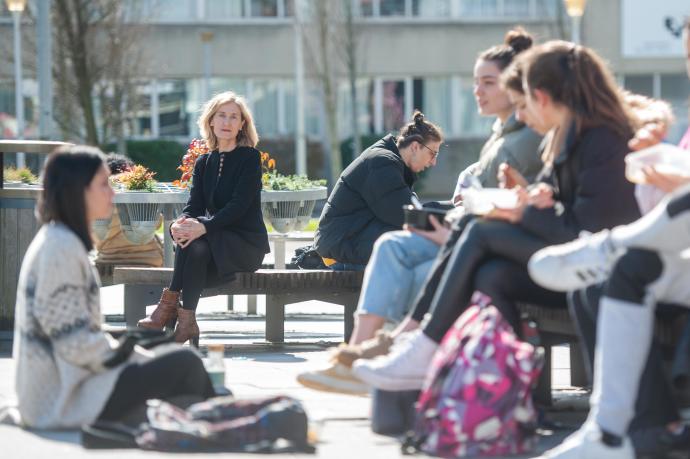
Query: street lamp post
300, 136
575, 9
16, 7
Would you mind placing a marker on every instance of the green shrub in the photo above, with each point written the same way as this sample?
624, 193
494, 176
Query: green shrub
159, 156
23, 175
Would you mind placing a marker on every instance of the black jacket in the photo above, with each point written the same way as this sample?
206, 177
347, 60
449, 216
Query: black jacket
590, 188
366, 202
229, 207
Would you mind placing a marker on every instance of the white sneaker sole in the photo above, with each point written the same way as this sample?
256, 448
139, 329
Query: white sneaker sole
374, 379
343, 387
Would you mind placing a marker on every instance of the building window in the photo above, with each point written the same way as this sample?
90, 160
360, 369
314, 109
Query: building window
8, 109
221, 9
263, 8
640, 84
264, 102
392, 7
431, 8
434, 97
675, 91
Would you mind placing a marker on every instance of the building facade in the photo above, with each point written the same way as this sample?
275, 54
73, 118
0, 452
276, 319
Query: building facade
410, 53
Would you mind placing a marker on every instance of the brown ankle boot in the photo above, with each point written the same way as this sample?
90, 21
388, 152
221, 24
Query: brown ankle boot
165, 313
187, 328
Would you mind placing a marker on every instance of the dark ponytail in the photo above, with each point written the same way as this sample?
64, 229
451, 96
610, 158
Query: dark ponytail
419, 130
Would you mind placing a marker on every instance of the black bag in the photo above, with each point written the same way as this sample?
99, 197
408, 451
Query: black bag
307, 258
393, 413
226, 424
130, 337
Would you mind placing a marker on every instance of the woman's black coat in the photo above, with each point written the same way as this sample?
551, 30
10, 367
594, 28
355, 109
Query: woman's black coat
366, 202
229, 207
592, 193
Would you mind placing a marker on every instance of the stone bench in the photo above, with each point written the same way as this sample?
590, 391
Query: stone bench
281, 286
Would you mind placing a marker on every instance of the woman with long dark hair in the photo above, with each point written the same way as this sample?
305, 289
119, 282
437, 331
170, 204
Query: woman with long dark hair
68, 371
582, 187
221, 229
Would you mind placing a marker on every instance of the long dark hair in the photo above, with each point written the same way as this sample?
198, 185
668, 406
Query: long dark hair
67, 173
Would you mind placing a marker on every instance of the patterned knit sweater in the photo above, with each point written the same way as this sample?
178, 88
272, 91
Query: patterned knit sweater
59, 348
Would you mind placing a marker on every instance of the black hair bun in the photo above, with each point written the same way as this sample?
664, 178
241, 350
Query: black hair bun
418, 117
518, 39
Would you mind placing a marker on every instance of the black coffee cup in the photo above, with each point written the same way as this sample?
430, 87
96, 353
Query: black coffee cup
419, 218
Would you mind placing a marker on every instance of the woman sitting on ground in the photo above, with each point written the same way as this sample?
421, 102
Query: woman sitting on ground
368, 198
221, 230
67, 369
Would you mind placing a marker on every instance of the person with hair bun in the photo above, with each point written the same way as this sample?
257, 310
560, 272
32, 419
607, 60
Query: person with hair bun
221, 230
368, 197
511, 142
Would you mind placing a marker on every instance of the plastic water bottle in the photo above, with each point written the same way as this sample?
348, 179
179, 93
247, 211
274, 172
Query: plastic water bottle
215, 366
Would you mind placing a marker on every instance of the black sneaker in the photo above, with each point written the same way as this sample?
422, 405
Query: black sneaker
657, 442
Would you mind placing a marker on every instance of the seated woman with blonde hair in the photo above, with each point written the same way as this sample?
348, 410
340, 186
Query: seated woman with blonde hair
221, 230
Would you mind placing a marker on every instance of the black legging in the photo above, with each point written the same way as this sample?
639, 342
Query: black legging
655, 404
174, 374
507, 282
483, 241
194, 266
422, 303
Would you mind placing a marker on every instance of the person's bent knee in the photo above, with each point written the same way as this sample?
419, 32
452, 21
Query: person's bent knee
632, 274
199, 248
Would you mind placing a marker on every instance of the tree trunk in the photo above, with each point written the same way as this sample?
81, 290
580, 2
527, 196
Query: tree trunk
351, 61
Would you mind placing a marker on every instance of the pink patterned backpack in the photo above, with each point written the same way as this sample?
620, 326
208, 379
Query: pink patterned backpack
477, 398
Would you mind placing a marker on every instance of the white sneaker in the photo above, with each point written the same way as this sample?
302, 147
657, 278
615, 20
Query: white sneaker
574, 265
588, 445
404, 368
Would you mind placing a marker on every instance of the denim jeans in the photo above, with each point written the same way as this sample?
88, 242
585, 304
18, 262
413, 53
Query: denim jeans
397, 269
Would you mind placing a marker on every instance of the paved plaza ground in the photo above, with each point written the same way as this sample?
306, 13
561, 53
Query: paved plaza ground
255, 369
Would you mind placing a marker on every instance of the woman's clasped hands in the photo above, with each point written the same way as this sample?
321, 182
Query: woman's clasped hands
185, 230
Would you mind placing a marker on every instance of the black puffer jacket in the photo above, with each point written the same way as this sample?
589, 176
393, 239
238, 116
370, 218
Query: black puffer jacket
590, 188
366, 202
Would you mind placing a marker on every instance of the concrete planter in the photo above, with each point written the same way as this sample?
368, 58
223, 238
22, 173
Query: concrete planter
290, 211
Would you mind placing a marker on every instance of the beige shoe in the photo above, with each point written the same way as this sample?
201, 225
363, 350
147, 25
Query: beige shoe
373, 347
336, 378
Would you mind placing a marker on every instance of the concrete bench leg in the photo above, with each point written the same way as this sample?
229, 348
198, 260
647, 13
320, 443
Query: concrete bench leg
350, 302
251, 305
578, 374
137, 297
275, 318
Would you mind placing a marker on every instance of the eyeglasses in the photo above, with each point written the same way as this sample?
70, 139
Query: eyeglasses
434, 152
